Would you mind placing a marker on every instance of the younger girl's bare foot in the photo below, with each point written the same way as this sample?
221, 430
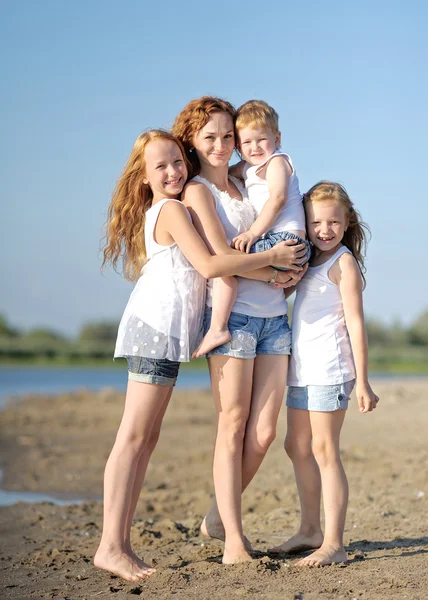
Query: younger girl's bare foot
215, 530
326, 555
299, 543
234, 556
213, 339
123, 565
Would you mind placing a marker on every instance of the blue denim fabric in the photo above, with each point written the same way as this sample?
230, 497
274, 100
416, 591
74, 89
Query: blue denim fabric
253, 335
152, 370
320, 398
272, 239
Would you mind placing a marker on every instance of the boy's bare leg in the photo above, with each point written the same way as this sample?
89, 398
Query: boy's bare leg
224, 296
326, 427
298, 445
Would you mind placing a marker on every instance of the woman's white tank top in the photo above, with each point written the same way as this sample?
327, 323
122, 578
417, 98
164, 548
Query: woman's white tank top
321, 351
255, 298
292, 215
163, 317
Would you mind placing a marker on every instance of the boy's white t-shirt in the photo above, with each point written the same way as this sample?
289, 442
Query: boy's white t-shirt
292, 215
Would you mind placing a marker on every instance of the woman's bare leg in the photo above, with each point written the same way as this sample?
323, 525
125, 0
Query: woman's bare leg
231, 380
269, 377
143, 404
141, 473
298, 445
224, 296
326, 427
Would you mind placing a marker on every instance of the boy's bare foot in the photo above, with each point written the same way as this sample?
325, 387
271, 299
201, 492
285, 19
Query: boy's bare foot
213, 339
215, 530
326, 555
233, 556
123, 565
299, 543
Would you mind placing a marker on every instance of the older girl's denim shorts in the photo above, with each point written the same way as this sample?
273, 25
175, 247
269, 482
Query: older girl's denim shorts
272, 239
320, 398
152, 370
253, 335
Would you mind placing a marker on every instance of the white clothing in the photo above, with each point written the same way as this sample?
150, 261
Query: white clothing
163, 317
255, 298
321, 349
292, 214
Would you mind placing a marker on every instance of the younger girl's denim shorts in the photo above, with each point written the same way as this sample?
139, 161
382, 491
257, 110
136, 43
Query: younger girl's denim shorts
320, 398
269, 240
253, 335
152, 370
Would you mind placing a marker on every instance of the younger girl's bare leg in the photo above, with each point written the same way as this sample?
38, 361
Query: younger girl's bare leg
224, 296
326, 427
298, 445
143, 404
140, 476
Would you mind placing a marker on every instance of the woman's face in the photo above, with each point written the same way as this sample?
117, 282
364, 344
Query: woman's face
215, 142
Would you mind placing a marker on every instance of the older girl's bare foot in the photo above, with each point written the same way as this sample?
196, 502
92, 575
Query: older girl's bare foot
234, 556
299, 543
215, 530
326, 555
123, 565
212, 339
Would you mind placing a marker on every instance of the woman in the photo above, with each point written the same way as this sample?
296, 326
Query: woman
248, 374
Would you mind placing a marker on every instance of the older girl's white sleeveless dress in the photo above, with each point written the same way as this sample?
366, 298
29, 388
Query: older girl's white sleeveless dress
163, 317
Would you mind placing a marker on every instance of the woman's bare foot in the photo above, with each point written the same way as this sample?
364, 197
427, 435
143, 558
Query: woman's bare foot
213, 339
215, 530
123, 565
299, 543
326, 555
236, 555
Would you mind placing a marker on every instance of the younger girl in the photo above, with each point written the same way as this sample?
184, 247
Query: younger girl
161, 325
329, 352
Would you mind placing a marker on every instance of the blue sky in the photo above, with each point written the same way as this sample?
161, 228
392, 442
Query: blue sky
82, 79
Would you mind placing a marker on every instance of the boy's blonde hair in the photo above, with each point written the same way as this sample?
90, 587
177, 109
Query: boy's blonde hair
257, 113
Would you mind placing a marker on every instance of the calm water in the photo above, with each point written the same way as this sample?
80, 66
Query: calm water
16, 381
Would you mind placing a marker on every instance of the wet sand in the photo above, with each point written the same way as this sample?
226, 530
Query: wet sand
60, 445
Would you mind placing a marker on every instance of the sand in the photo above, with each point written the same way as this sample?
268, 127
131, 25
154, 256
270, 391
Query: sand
60, 445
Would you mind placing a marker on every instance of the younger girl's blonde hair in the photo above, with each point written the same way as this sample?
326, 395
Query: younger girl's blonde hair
357, 233
127, 211
257, 113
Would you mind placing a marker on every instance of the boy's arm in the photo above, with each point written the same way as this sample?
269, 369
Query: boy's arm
346, 274
238, 169
278, 172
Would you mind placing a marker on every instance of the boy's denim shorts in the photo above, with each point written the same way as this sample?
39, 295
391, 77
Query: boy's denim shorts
152, 370
253, 335
272, 239
320, 398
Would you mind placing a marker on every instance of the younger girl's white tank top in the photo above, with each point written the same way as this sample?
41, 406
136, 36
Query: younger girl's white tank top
292, 214
321, 351
163, 317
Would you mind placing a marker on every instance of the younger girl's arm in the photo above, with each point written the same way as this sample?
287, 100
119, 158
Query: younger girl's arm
174, 221
346, 274
237, 170
278, 172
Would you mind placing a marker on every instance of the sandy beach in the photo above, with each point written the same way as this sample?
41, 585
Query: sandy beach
59, 445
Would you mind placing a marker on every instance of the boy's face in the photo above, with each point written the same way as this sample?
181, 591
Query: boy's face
257, 144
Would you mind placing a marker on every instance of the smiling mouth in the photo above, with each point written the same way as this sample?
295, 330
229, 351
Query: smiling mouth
325, 239
174, 181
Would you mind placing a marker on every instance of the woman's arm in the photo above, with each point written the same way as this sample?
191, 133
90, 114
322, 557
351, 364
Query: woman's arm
174, 220
346, 274
200, 203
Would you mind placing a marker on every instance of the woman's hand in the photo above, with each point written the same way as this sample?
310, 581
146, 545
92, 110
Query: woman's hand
287, 254
287, 279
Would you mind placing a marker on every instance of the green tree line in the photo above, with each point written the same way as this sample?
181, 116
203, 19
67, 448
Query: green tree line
392, 347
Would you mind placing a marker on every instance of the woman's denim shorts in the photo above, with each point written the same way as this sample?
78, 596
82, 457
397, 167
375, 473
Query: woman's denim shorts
253, 335
272, 239
320, 398
152, 370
